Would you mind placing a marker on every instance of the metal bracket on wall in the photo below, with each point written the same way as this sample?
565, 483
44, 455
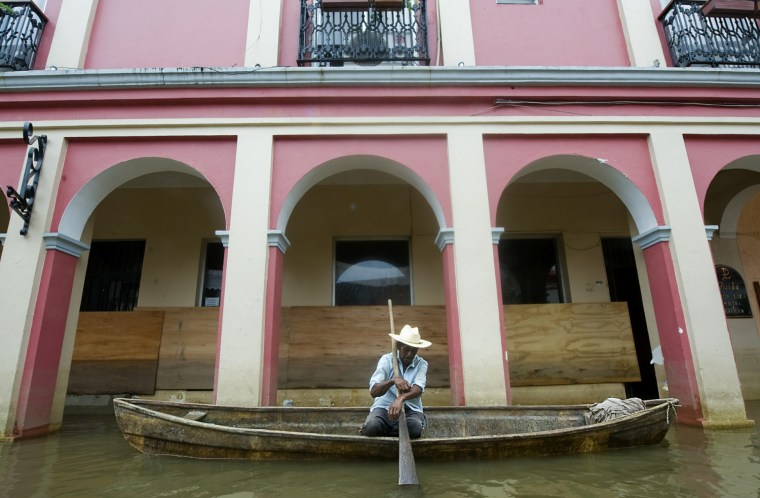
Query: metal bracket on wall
22, 202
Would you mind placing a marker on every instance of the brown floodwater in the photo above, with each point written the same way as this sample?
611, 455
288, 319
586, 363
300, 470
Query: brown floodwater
88, 457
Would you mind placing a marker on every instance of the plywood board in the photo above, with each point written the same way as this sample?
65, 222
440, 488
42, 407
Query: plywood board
124, 335
570, 343
339, 346
116, 352
188, 348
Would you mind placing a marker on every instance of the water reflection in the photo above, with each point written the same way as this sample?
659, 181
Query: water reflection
90, 458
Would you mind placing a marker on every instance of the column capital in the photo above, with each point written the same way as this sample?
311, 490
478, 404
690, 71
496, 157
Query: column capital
277, 238
224, 236
653, 236
496, 234
445, 236
60, 242
2, 239
710, 231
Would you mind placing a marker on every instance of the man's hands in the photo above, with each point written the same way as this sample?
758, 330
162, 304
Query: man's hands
406, 391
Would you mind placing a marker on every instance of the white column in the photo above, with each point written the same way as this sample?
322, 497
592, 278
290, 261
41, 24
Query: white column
455, 31
476, 290
714, 363
240, 356
263, 40
20, 270
640, 29
72, 34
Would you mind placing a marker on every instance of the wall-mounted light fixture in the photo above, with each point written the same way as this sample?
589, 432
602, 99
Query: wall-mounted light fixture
22, 202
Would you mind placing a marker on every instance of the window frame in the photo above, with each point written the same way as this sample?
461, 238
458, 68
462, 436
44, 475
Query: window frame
202, 267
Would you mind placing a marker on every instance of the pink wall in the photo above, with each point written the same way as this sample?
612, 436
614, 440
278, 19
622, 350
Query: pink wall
43, 352
213, 157
708, 155
507, 155
553, 33
296, 156
168, 33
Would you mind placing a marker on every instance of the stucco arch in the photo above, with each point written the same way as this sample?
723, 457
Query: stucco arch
84, 202
358, 162
730, 218
598, 169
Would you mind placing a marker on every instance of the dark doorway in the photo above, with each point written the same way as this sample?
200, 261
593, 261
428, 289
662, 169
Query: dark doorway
624, 286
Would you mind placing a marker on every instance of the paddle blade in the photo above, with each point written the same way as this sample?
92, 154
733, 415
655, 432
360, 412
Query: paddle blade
407, 470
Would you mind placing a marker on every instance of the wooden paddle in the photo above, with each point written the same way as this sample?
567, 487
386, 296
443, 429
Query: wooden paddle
407, 470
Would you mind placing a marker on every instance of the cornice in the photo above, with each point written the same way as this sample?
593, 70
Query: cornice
206, 77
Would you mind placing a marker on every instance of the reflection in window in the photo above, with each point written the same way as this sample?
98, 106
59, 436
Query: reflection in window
530, 271
369, 272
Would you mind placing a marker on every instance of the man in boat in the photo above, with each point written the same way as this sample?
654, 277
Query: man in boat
392, 393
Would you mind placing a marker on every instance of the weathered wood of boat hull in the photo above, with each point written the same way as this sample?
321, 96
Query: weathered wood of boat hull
286, 433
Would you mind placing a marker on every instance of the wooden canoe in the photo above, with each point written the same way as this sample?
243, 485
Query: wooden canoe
290, 433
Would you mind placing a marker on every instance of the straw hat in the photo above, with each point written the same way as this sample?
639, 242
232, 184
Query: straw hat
411, 337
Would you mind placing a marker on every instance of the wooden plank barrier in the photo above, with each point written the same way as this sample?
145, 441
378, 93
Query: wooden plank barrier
116, 352
324, 347
188, 348
570, 343
329, 346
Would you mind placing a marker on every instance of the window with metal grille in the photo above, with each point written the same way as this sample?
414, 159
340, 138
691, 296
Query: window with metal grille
112, 282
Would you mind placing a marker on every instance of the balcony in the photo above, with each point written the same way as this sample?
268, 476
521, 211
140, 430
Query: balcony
364, 33
697, 40
20, 32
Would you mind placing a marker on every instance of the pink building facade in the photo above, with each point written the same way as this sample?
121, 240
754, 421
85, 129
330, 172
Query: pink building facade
500, 161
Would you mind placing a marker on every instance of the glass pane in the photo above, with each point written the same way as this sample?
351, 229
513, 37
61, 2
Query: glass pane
530, 271
369, 272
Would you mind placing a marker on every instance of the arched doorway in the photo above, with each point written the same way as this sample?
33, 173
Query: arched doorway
150, 291
360, 234
576, 322
732, 204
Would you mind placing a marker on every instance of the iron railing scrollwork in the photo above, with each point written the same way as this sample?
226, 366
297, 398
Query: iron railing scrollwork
20, 34
364, 36
22, 201
697, 40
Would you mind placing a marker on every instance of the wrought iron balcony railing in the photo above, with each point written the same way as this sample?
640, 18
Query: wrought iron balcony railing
367, 35
696, 40
20, 33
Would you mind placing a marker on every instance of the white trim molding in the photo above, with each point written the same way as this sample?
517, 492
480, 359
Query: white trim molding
710, 231
60, 242
277, 238
2, 239
496, 234
224, 236
445, 236
427, 76
653, 236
